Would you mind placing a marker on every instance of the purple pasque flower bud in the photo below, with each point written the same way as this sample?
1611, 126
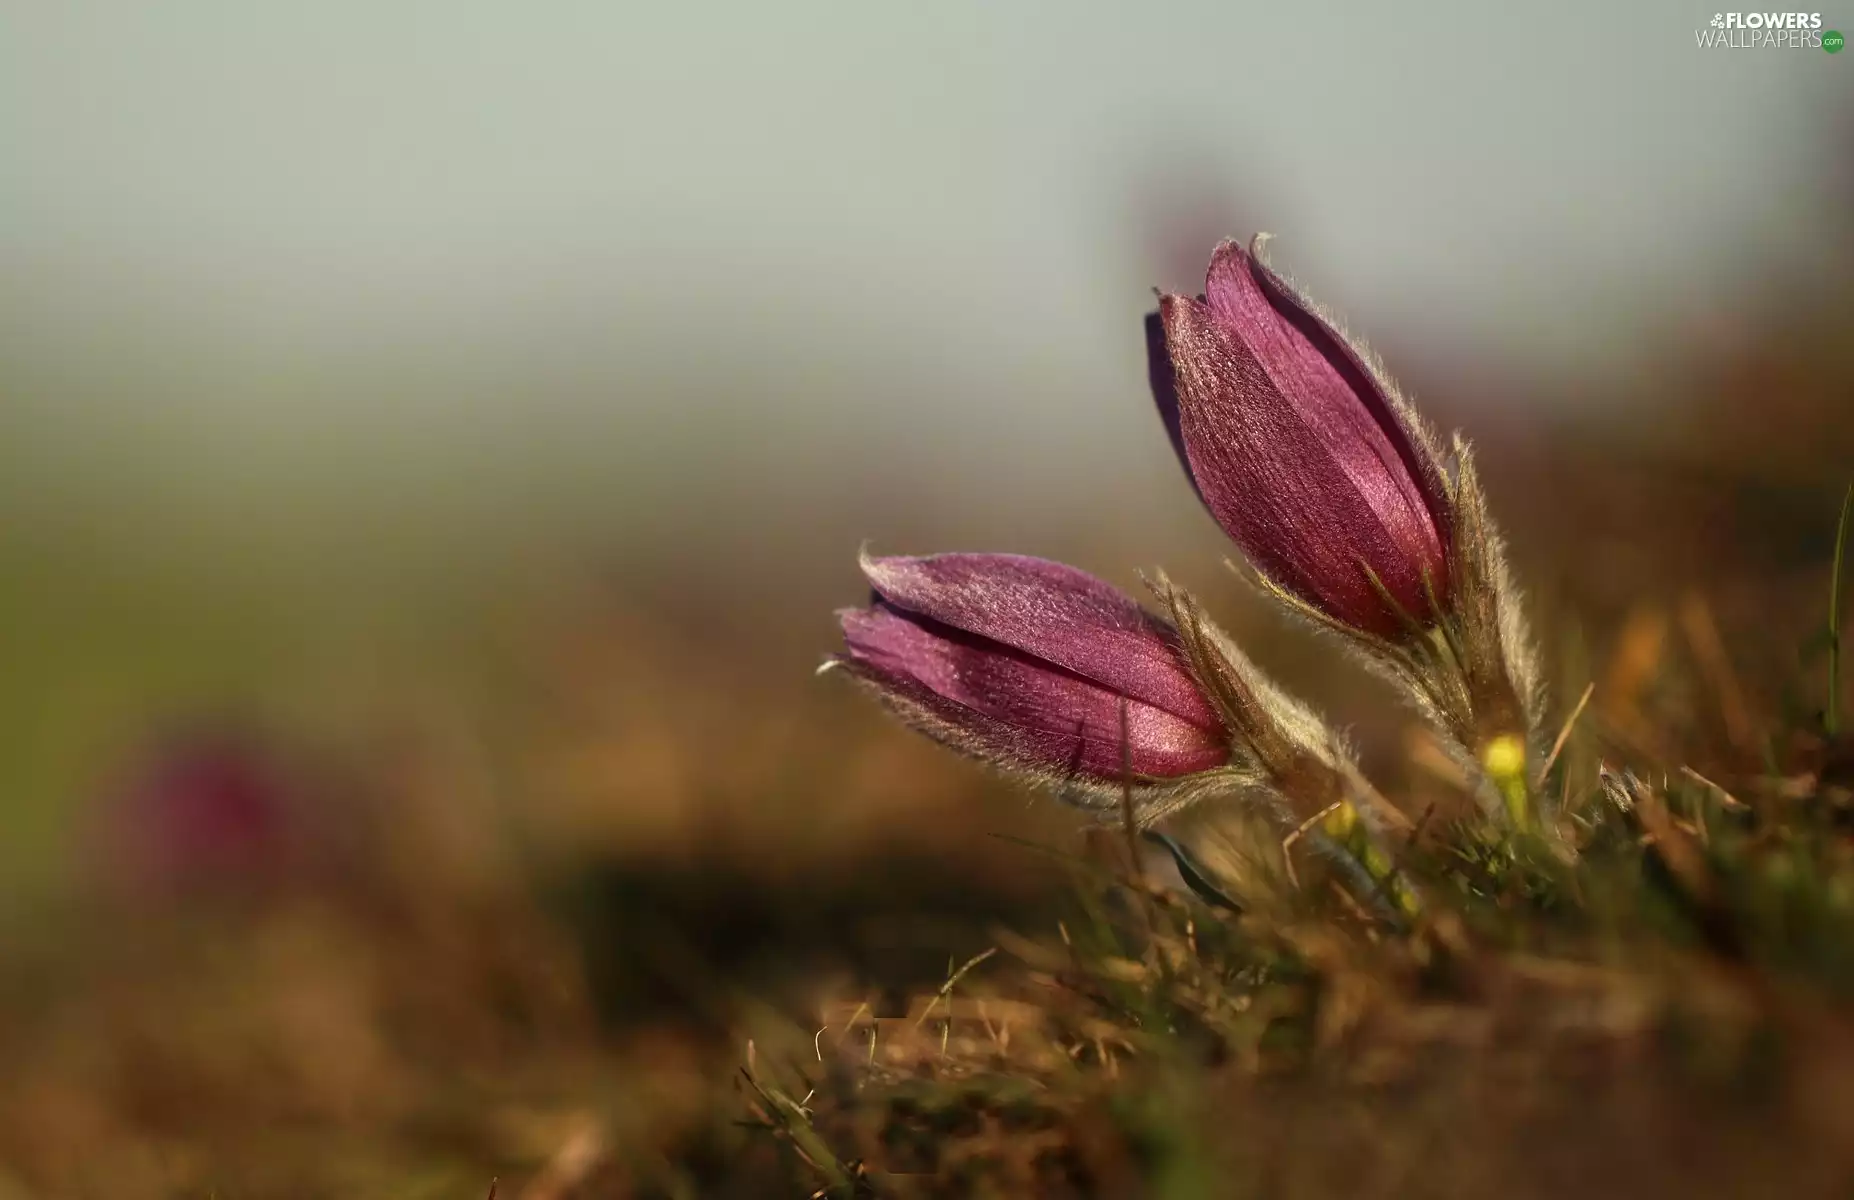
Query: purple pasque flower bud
1032, 664
1301, 454
207, 810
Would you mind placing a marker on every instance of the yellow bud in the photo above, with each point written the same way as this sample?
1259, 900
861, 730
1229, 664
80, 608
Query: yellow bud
1505, 757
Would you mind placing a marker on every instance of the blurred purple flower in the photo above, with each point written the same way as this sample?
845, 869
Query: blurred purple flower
208, 810
1030, 663
1300, 454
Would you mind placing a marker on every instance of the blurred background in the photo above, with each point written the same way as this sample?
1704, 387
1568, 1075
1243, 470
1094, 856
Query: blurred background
433, 439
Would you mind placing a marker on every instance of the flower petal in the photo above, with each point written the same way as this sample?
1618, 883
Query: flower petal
1312, 362
1162, 378
1023, 708
1280, 473
1051, 612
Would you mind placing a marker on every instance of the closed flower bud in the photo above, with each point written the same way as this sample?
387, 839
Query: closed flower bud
1033, 665
1299, 451
206, 812
1046, 671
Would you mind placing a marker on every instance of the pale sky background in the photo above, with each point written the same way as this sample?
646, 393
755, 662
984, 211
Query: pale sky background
461, 255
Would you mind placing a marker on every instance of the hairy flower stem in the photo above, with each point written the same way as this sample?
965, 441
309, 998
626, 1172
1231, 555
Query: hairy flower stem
1293, 757
1387, 883
1347, 829
1378, 874
1489, 727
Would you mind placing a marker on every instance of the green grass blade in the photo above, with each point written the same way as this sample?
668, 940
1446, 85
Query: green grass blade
1836, 595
